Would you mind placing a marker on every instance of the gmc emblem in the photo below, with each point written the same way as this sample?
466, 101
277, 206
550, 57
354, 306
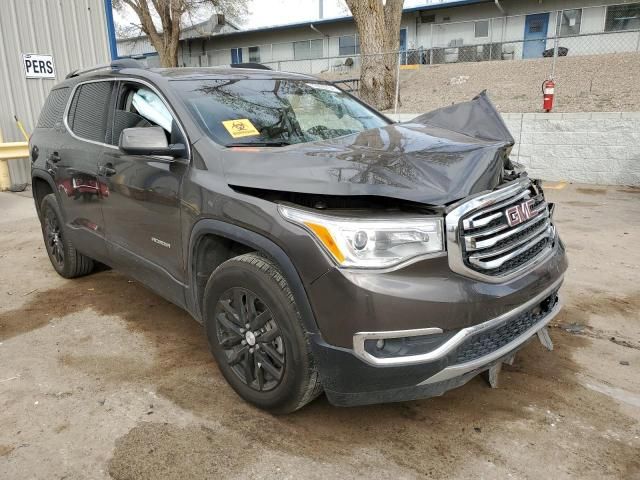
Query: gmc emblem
520, 213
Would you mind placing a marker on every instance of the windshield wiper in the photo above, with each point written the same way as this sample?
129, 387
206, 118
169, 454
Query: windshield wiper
275, 143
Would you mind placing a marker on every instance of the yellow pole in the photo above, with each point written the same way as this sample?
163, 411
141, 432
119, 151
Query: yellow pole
5, 179
24, 132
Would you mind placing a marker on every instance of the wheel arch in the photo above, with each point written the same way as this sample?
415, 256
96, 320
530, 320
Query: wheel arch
42, 185
207, 232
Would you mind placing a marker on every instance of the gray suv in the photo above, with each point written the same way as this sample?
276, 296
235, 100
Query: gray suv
322, 246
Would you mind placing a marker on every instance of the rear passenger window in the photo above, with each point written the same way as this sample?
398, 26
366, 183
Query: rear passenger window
53, 108
89, 111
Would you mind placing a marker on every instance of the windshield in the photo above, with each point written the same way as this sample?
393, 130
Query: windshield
274, 112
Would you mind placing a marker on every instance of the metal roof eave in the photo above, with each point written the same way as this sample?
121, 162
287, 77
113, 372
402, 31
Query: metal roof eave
436, 6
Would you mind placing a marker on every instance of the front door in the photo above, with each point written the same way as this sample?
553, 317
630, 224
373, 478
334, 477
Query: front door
535, 35
236, 56
142, 213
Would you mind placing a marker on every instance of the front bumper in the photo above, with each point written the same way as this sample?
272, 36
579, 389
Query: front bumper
358, 377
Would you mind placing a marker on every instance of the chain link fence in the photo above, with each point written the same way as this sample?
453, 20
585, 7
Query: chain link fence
593, 54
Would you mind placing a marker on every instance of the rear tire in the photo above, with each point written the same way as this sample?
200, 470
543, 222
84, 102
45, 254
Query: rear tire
269, 364
66, 260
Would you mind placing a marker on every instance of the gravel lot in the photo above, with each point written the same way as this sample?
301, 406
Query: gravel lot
100, 377
595, 83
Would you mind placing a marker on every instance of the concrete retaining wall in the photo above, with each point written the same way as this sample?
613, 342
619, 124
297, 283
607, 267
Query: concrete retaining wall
598, 148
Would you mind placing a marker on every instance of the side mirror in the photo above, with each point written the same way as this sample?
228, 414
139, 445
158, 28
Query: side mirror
149, 141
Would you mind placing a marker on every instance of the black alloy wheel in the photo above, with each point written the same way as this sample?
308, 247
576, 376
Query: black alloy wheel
252, 342
255, 332
64, 257
53, 238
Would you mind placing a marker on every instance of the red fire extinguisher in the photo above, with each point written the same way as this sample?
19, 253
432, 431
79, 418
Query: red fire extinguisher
548, 91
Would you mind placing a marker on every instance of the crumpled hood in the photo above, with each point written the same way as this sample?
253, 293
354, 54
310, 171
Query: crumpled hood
437, 158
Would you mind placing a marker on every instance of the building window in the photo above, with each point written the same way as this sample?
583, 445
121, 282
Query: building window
482, 28
622, 17
254, 54
349, 45
307, 49
570, 22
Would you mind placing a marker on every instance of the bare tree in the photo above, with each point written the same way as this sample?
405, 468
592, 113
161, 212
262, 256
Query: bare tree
378, 24
163, 20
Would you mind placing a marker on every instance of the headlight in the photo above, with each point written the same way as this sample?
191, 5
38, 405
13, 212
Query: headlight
370, 242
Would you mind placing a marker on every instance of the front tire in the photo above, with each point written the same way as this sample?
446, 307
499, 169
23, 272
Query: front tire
255, 333
66, 260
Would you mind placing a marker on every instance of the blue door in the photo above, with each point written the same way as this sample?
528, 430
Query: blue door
403, 46
535, 35
236, 56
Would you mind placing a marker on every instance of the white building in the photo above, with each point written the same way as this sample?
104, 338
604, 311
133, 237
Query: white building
459, 30
141, 45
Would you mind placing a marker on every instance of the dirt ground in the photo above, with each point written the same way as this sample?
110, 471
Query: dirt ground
594, 83
101, 378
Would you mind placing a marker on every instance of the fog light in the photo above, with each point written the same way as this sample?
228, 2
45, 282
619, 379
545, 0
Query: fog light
380, 344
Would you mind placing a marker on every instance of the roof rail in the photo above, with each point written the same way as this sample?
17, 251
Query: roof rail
114, 65
257, 66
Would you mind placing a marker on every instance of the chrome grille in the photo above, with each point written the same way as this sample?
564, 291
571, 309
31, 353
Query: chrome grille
482, 242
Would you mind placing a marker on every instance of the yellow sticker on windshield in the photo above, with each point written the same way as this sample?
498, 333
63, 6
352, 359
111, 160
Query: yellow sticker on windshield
240, 128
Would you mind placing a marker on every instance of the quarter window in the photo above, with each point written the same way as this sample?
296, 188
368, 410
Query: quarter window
89, 111
570, 22
622, 17
53, 108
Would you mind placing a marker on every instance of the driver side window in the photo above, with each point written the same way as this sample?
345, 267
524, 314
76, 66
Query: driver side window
139, 106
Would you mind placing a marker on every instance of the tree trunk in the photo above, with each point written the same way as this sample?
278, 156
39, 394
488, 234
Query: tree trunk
165, 42
378, 27
168, 56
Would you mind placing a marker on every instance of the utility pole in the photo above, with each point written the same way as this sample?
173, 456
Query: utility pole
320, 8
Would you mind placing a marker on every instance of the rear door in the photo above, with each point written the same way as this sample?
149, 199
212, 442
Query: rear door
45, 141
87, 124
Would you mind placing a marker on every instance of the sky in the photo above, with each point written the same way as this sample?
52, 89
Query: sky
264, 13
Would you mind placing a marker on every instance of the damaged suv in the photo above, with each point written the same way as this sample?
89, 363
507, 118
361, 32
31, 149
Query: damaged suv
322, 246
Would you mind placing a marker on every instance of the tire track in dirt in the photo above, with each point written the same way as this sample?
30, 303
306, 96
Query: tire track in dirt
540, 416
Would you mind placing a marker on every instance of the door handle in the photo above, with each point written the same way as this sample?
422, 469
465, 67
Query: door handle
106, 170
54, 157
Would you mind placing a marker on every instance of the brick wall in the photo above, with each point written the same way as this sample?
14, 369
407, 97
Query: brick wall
598, 148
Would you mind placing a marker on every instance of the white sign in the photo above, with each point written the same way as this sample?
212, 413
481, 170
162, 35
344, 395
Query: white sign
38, 66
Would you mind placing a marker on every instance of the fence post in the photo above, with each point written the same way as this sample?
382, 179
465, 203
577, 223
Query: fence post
395, 103
431, 46
555, 45
490, 40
